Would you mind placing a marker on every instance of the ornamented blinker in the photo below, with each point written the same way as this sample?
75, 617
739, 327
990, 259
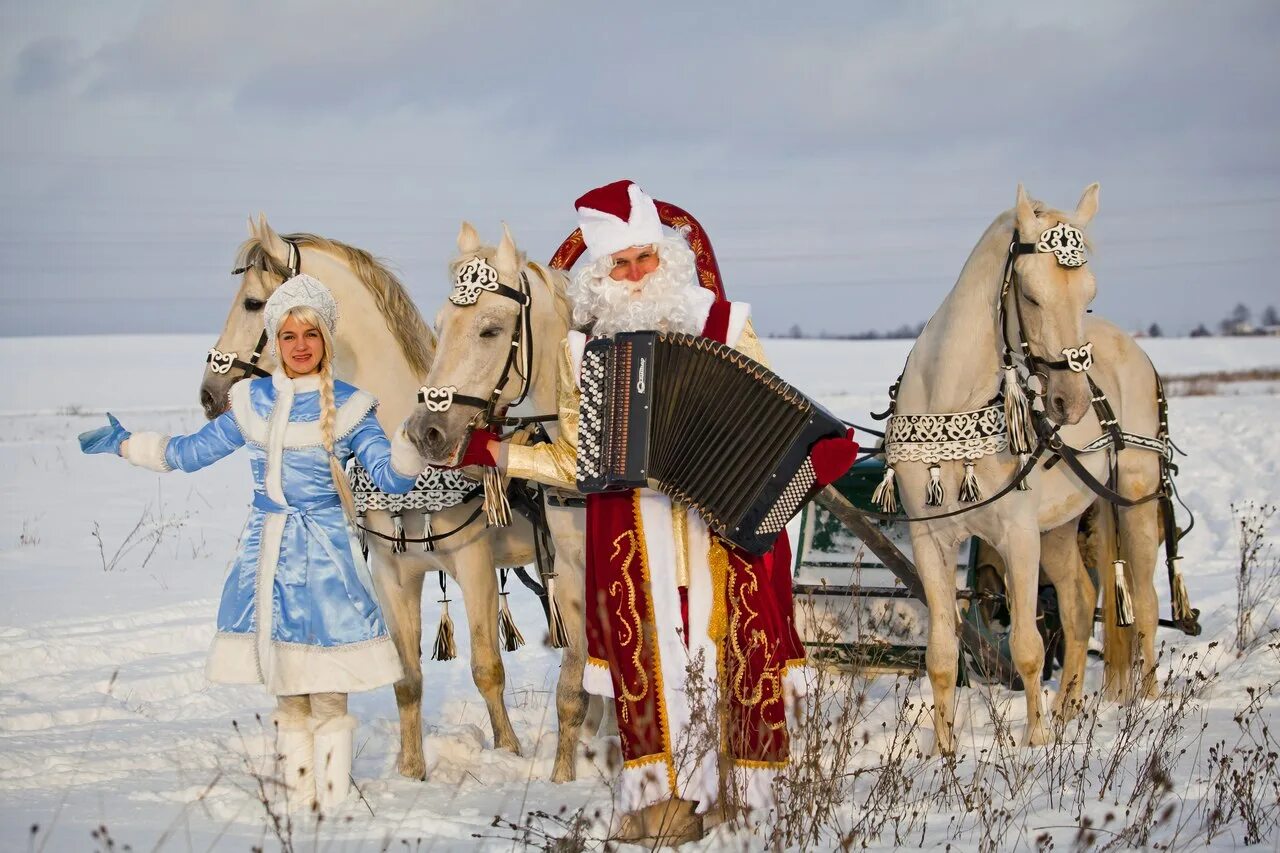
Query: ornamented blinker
437, 399
473, 277
1066, 242
1080, 358
220, 362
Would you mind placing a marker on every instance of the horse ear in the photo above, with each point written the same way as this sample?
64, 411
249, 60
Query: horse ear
468, 239
1028, 226
253, 227
1087, 206
272, 241
507, 260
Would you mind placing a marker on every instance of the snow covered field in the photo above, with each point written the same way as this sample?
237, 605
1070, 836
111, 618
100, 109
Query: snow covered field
105, 719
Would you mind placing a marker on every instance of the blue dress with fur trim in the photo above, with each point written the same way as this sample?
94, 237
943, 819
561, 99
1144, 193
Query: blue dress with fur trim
299, 562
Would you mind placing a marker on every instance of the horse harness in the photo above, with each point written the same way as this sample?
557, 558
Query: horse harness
1009, 422
474, 277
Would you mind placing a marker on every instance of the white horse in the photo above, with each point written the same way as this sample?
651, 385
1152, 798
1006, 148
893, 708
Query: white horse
385, 348
955, 367
474, 356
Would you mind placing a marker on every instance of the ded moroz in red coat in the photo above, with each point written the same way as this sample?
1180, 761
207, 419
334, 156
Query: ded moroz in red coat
666, 652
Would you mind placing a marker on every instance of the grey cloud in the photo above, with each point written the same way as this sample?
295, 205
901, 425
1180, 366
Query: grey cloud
46, 65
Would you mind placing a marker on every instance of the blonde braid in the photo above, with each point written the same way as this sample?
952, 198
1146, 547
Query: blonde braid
328, 414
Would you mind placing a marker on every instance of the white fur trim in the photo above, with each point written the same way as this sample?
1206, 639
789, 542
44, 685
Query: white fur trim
308, 434
404, 456
700, 783
277, 425
643, 785
739, 313
597, 680
577, 346
795, 682
755, 784
305, 384
344, 723
605, 233
146, 450
306, 669
252, 425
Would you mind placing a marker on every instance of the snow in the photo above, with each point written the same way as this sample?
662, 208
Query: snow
105, 718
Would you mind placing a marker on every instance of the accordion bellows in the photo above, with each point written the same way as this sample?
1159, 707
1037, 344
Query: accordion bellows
702, 423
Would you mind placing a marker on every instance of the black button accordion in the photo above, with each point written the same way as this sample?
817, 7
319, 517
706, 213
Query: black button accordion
703, 424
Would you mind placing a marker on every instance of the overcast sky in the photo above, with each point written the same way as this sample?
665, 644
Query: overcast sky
843, 156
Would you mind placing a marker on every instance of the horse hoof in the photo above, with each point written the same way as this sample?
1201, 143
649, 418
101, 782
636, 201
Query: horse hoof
563, 773
415, 768
1037, 736
511, 745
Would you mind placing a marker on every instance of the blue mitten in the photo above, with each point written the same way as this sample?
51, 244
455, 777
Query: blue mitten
105, 439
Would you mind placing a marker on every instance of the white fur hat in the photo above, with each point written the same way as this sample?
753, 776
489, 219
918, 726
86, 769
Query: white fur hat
617, 216
301, 290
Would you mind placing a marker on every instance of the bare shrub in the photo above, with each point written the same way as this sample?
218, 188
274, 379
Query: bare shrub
1257, 574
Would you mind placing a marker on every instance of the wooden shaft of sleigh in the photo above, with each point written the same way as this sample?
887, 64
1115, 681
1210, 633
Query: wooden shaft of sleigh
993, 663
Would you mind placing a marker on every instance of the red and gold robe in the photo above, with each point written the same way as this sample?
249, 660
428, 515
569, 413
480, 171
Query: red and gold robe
691, 637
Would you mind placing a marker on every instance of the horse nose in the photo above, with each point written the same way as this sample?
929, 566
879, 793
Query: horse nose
1058, 408
435, 439
209, 403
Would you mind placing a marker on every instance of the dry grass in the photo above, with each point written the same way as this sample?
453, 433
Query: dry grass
1209, 384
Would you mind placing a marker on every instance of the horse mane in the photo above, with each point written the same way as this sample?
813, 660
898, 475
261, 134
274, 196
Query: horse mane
415, 338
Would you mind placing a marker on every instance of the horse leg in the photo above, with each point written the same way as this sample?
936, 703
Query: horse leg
937, 568
473, 569
571, 699
1139, 546
1021, 553
400, 593
1061, 562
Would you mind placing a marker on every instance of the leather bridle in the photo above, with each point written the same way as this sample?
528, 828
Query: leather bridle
519, 353
222, 363
1077, 359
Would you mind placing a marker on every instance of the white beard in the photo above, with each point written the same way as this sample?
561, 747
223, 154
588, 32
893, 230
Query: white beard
669, 300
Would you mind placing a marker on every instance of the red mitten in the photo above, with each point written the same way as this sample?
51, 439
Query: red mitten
831, 457
477, 452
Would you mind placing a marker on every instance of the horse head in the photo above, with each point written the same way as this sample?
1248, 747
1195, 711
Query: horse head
264, 261
1051, 287
485, 357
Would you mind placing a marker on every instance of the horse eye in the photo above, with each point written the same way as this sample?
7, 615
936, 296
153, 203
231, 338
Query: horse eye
251, 304
1031, 300
490, 331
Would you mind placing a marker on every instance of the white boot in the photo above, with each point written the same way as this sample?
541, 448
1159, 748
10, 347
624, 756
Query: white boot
333, 744
296, 754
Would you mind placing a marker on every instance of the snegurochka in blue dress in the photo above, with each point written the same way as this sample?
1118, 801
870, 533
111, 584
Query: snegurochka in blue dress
298, 611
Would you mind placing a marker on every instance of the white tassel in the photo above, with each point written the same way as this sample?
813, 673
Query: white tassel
935, 494
1182, 610
1023, 485
970, 491
509, 635
886, 496
1124, 600
397, 531
427, 545
557, 636
496, 507
1017, 413
445, 648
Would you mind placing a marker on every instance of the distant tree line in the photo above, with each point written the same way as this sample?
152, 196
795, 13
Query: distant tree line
1238, 322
